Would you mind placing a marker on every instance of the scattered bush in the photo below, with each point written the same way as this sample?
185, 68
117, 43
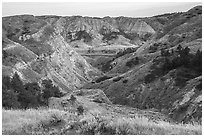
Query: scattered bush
80, 110
107, 66
81, 35
72, 98
149, 78
50, 91
199, 86
102, 79
16, 83
132, 62
125, 81
126, 51
117, 79
153, 49
110, 36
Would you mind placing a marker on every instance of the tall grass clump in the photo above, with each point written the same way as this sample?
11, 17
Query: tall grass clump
30, 121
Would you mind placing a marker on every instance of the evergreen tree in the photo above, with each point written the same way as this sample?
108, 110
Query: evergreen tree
172, 51
33, 88
179, 48
16, 83
80, 110
6, 83
196, 62
57, 92
35, 93
50, 90
26, 99
10, 99
72, 98
162, 52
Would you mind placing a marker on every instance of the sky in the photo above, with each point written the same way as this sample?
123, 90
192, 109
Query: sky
112, 9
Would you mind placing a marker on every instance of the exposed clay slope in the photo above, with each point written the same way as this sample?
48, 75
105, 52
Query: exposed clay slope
46, 54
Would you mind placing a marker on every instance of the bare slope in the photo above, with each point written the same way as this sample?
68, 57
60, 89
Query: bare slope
45, 54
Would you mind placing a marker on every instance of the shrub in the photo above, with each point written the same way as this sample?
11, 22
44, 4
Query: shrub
72, 98
83, 35
4, 54
199, 86
117, 79
27, 99
80, 110
107, 66
10, 99
16, 83
125, 81
34, 91
132, 62
50, 90
6, 82
152, 49
126, 51
149, 78
102, 79
110, 36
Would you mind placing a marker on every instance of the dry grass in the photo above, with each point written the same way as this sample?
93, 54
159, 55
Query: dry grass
16, 121
50, 121
143, 126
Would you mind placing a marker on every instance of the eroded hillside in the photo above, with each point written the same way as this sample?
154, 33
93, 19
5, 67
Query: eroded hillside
152, 63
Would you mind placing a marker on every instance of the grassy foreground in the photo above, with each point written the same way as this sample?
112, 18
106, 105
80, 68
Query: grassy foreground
50, 121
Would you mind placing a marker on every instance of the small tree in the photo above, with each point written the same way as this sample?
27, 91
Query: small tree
6, 83
57, 92
172, 51
16, 83
72, 98
162, 52
50, 90
33, 88
80, 110
26, 99
35, 93
179, 48
10, 99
